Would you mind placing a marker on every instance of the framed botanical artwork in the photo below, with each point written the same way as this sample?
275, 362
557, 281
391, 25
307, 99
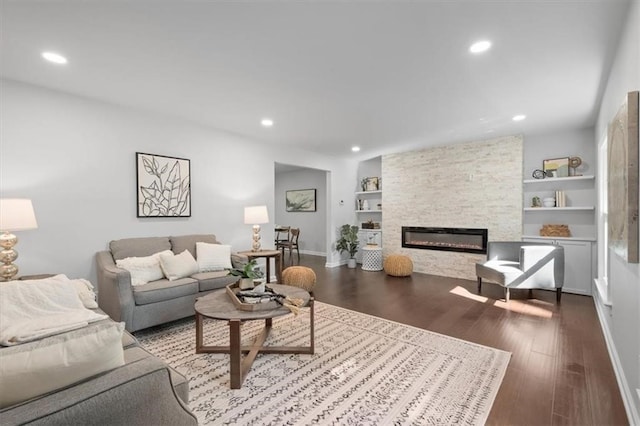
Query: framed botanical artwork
163, 186
622, 181
301, 200
556, 167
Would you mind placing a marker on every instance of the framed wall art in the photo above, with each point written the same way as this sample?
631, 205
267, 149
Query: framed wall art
622, 182
556, 167
301, 200
370, 184
163, 186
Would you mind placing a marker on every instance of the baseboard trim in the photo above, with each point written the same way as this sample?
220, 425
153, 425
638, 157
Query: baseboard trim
625, 391
313, 253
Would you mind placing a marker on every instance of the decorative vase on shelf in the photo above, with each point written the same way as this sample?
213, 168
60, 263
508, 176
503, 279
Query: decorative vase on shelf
365, 205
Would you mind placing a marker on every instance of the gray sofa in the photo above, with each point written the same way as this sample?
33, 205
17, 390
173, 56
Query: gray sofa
143, 391
156, 302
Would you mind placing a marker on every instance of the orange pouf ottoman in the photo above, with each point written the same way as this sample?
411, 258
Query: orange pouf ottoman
398, 265
299, 276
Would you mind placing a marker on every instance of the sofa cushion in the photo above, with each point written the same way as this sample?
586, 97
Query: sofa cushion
138, 247
188, 242
179, 382
213, 257
178, 266
158, 291
214, 280
143, 269
42, 366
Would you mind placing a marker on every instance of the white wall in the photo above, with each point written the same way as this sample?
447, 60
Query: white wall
313, 238
621, 322
75, 158
569, 143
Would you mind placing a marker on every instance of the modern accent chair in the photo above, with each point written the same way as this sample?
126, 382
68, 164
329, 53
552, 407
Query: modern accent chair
291, 244
520, 265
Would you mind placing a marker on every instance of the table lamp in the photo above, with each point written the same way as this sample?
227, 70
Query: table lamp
16, 214
256, 215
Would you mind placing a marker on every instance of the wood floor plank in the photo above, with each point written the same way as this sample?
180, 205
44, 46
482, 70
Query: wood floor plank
559, 373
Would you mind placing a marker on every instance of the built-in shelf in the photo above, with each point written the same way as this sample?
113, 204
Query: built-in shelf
534, 209
560, 238
368, 192
560, 180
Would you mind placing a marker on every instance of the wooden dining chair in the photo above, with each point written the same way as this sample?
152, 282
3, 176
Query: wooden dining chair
291, 244
282, 235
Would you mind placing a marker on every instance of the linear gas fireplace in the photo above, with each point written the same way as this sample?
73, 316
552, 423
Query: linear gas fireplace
468, 240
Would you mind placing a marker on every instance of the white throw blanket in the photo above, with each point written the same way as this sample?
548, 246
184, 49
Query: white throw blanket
30, 310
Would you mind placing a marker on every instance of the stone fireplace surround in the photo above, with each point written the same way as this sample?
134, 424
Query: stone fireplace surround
475, 184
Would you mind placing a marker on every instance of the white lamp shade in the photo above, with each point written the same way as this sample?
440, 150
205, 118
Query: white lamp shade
256, 215
16, 214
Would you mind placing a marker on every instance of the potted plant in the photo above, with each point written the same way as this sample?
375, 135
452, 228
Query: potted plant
348, 242
247, 274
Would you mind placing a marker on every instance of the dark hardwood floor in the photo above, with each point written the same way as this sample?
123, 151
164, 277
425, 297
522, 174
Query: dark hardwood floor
560, 372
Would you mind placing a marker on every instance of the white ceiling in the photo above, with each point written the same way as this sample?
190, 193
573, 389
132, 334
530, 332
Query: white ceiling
384, 75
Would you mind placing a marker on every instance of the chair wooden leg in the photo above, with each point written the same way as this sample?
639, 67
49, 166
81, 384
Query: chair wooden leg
298, 251
558, 295
479, 285
507, 295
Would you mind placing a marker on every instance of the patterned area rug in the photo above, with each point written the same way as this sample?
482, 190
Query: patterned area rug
365, 370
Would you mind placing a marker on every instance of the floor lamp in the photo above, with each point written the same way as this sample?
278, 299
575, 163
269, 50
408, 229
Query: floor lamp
16, 214
256, 215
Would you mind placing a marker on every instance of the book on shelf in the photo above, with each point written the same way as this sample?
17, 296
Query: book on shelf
561, 200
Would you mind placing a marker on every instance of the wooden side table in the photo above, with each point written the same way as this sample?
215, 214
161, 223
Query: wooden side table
267, 254
35, 277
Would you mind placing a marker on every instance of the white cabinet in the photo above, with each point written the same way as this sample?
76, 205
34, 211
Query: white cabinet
579, 212
578, 263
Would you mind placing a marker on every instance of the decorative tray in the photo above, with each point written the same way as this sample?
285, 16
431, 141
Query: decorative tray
232, 291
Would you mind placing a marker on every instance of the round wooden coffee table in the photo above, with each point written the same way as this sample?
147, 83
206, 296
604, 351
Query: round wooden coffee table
218, 305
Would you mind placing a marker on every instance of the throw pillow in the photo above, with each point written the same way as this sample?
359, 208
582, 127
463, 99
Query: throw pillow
35, 368
213, 257
179, 265
143, 269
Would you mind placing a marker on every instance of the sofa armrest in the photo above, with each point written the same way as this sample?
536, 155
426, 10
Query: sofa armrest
138, 393
115, 294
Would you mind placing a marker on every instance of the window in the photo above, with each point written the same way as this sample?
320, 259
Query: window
602, 283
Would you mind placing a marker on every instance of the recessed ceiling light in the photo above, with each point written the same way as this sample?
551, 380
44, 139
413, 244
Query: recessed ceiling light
480, 46
267, 122
56, 58
519, 117
355, 148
